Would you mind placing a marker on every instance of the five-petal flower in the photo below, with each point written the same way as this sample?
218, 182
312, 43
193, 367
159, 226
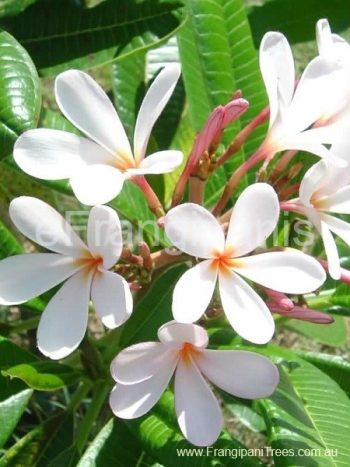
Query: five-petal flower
98, 165
143, 371
294, 109
84, 268
195, 231
325, 189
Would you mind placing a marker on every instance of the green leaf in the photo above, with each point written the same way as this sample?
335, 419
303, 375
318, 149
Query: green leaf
20, 97
245, 413
62, 35
218, 57
43, 376
307, 411
13, 7
11, 410
334, 334
153, 310
333, 365
37, 374
113, 442
297, 18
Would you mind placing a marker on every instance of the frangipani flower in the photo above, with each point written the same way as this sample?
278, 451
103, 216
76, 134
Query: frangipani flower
195, 231
331, 46
84, 268
98, 165
143, 371
294, 110
326, 189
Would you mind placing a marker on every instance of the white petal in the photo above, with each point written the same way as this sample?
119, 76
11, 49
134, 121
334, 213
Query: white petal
97, 184
240, 373
44, 225
338, 226
324, 37
23, 277
315, 94
338, 202
104, 235
134, 400
284, 271
194, 230
88, 107
331, 252
152, 106
140, 362
112, 299
277, 68
245, 310
55, 155
197, 409
176, 334
254, 217
158, 163
63, 323
312, 181
193, 292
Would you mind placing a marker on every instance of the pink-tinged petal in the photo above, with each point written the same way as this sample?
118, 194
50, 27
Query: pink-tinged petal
193, 292
245, 310
158, 163
133, 400
176, 334
240, 373
45, 226
338, 226
312, 182
97, 184
104, 235
24, 277
152, 106
331, 251
194, 230
55, 155
88, 107
197, 409
141, 361
285, 271
254, 217
338, 202
112, 299
277, 69
63, 323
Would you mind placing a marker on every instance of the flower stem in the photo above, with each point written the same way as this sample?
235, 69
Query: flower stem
164, 258
152, 199
197, 187
257, 157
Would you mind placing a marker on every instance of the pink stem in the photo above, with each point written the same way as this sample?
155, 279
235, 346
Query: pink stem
152, 199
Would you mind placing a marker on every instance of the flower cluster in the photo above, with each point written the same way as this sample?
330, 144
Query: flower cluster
230, 249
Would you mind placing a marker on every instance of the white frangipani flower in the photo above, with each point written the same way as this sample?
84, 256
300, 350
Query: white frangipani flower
294, 109
195, 231
326, 189
98, 165
143, 371
84, 268
331, 46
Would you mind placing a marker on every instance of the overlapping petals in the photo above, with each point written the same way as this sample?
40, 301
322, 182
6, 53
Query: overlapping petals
195, 231
97, 165
326, 189
295, 109
84, 268
143, 371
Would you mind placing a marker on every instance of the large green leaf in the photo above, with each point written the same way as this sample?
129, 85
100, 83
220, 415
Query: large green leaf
307, 411
218, 57
62, 35
19, 92
11, 410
